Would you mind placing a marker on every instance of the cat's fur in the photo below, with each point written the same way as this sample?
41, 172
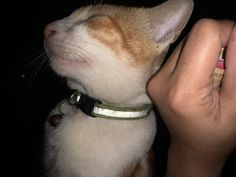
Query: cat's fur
109, 53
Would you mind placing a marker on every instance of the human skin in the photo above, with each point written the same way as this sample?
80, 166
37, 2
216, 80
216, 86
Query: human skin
201, 119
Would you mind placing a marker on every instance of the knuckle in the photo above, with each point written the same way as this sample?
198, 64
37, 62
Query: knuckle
151, 88
206, 23
154, 87
206, 28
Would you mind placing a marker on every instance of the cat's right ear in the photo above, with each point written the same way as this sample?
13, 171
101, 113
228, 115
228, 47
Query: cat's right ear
168, 19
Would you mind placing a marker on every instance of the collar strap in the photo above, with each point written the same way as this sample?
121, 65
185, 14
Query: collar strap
96, 108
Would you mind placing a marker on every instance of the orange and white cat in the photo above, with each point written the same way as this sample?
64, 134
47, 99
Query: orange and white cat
108, 53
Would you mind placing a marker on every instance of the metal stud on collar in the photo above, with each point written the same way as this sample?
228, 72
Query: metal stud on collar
67, 107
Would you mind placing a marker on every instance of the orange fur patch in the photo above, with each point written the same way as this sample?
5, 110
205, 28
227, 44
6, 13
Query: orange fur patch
120, 40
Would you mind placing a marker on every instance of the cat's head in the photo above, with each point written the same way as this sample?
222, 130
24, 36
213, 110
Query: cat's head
110, 52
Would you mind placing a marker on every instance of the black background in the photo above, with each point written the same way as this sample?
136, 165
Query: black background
28, 94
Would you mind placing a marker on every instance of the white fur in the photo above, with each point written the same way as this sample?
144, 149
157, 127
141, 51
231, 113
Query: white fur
82, 146
87, 147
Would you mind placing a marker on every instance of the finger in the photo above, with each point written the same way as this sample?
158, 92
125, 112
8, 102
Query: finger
173, 59
201, 52
228, 83
165, 71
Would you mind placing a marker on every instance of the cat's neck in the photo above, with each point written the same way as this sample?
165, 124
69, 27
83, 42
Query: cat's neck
123, 97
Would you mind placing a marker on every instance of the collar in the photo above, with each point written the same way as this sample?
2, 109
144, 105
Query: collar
98, 109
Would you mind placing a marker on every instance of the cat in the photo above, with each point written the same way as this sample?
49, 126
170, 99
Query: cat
107, 53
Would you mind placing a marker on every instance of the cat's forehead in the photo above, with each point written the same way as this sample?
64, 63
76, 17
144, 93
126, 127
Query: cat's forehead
122, 29
82, 12
134, 20
92, 10
120, 13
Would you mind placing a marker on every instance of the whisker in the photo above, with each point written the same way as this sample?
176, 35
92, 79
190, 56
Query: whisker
32, 63
86, 42
23, 66
25, 62
39, 68
100, 2
83, 55
70, 49
91, 2
96, 2
84, 50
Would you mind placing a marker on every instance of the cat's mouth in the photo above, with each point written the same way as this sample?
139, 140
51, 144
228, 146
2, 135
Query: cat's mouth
68, 61
63, 57
66, 66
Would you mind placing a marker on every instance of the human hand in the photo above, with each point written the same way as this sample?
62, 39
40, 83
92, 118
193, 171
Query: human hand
200, 118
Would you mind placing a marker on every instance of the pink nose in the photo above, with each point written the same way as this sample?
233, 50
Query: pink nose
49, 30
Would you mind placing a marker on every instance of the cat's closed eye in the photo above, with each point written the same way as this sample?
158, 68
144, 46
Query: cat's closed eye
105, 29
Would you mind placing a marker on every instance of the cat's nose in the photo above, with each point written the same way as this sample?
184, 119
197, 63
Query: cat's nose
49, 30
52, 28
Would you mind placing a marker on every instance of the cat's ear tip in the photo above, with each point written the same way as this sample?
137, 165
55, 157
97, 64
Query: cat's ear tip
169, 19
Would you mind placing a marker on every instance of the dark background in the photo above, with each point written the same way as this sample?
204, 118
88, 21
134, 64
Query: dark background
28, 93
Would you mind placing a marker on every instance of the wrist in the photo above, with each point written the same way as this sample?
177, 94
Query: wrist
183, 162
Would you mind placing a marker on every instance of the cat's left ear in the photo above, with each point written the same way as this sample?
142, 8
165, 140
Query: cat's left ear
169, 19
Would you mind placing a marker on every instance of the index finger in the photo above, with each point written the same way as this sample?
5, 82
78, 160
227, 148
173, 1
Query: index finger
201, 52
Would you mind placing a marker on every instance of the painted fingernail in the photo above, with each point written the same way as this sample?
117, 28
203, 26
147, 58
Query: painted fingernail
219, 70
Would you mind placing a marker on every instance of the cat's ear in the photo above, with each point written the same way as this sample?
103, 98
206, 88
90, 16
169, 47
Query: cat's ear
169, 19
